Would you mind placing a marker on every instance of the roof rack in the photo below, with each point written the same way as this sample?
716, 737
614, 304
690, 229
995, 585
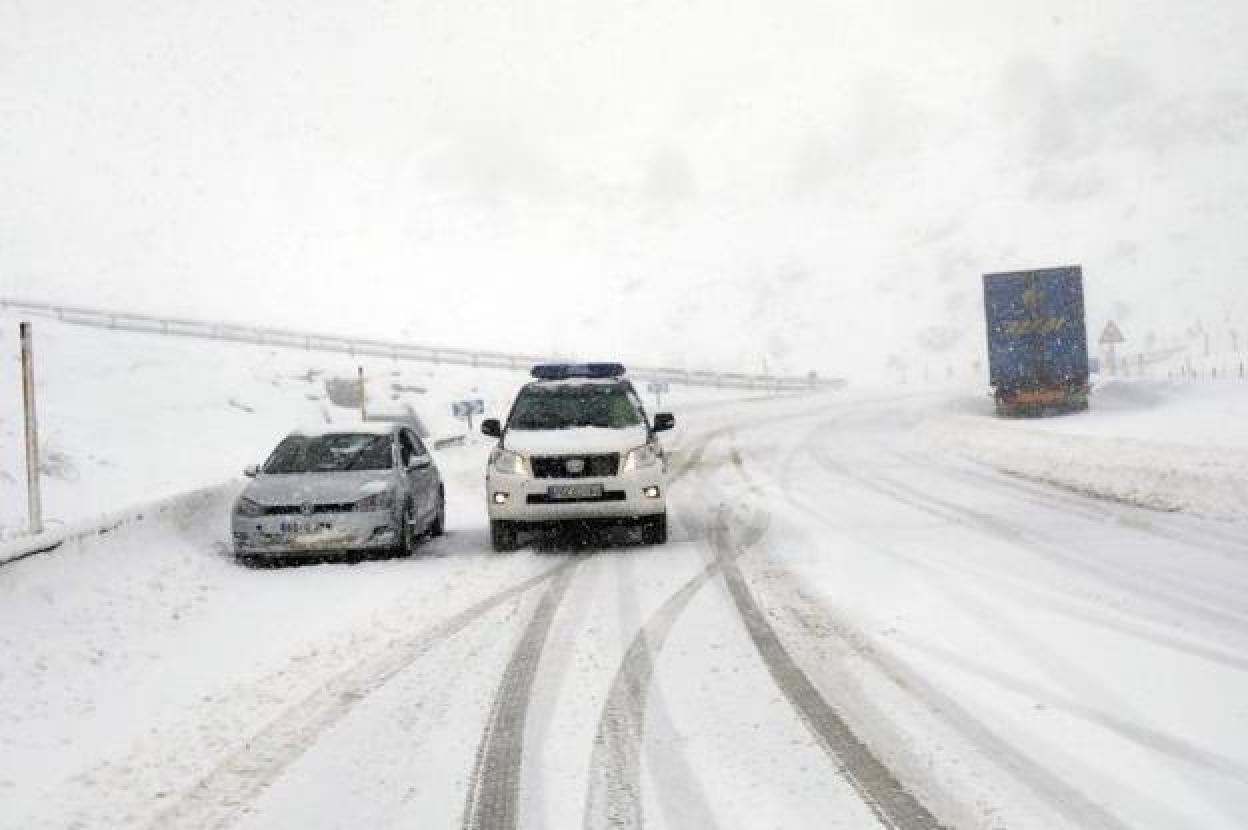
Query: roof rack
564, 371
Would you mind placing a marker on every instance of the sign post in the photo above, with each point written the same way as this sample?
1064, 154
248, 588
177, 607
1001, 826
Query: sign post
363, 396
467, 409
33, 502
1110, 338
658, 388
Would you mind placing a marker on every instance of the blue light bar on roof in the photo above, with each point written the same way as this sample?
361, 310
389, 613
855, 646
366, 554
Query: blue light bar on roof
564, 371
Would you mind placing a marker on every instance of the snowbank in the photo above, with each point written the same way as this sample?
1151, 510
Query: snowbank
1173, 447
20, 547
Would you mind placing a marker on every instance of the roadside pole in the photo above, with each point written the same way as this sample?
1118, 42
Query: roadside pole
363, 399
658, 388
33, 502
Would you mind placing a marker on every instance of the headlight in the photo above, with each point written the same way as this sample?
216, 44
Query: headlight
377, 501
247, 507
511, 463
639, 458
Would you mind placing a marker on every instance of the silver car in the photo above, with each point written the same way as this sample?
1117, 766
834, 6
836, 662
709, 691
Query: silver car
365, 488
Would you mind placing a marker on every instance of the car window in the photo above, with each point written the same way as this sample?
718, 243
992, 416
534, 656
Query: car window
406, 451
418, 446
336, 452
565, 406
636, 399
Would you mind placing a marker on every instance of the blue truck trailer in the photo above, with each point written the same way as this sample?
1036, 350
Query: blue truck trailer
1037, 341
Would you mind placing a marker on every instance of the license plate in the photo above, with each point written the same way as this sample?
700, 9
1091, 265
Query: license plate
302, 528
566, 492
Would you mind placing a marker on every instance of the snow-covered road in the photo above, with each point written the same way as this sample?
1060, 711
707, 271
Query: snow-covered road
849, 628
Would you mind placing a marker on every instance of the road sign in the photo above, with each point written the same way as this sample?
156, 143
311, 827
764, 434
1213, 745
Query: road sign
658, 388
466, 409
1112, 334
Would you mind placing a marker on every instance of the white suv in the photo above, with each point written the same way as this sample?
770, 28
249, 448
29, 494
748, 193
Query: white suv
577, 447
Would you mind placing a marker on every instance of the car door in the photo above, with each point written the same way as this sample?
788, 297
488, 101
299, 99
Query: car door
421, 476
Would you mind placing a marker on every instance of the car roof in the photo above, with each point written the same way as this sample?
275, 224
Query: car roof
547, 384
351, 428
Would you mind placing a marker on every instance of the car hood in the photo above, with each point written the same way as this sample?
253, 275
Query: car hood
574, 441
318, 488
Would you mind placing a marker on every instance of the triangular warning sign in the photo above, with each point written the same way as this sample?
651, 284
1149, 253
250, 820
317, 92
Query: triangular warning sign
1112, 334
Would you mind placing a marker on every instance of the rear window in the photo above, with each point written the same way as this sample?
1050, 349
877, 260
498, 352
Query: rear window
566, 406
330, 453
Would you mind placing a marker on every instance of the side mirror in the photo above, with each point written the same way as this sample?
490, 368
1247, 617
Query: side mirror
492, 428
419, 462
664, 421
251, 470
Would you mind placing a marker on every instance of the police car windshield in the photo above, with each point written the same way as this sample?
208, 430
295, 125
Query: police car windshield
330, 453
565, 406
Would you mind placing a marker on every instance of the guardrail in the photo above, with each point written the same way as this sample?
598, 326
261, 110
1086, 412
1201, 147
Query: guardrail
363, 347
24, 546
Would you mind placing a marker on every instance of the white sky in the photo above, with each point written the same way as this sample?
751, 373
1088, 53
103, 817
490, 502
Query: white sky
713, 182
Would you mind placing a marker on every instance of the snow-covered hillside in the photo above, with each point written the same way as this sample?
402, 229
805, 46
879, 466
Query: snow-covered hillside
800, 184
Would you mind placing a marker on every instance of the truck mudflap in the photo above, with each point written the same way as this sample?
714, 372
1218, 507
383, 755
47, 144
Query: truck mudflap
1040, 402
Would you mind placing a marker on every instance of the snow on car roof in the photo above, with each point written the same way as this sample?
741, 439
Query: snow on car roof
352, 427
546, 384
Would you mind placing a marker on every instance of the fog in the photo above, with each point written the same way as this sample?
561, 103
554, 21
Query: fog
740, 185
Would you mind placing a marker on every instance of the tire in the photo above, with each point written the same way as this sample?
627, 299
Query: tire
407, 536
654, 530
438, 526
503, 536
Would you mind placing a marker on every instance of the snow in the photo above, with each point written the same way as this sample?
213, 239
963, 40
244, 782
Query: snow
1165, 445
575, 439
1017, 655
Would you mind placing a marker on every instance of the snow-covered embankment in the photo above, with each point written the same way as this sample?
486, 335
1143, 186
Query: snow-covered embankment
1172, 447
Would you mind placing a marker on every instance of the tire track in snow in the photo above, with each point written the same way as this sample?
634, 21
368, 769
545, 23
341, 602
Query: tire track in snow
1034, 544
493, 801
227, 792
1067, 674
613, 798
1180, 598
887, 798
1056, 602
872, 780
1056, 497
1061, 797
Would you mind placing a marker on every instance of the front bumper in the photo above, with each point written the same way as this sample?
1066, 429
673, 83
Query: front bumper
527, 498
313, 535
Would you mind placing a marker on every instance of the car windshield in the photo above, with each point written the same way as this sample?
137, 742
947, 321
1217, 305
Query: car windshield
330, 453
567, 406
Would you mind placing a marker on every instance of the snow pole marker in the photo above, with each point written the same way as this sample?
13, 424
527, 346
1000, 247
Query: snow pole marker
33, 501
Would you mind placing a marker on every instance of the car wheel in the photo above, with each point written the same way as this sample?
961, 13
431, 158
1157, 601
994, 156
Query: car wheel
503, 536
654, 530
407, 535
438, 526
